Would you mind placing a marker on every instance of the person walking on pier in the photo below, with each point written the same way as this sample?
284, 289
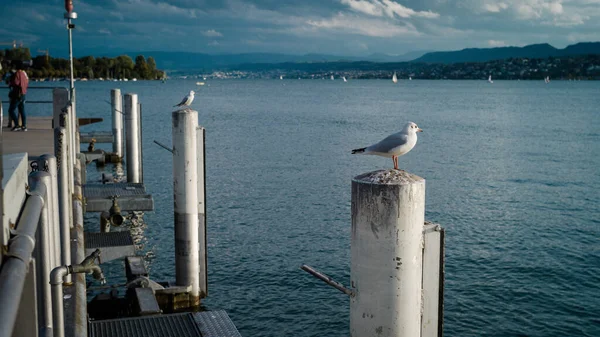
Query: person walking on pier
19, 82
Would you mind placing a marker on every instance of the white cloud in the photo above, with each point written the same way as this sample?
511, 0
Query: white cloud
361, 26
386, 8
495, 7
212, 33
213, 43
496, 43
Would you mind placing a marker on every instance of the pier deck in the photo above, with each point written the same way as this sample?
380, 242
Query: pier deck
38, 140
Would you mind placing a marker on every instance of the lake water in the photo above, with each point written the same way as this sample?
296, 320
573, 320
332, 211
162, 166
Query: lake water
512, 170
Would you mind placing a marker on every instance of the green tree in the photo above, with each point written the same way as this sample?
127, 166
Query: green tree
141, 67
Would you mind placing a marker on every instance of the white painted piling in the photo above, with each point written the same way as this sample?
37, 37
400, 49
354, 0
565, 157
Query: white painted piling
42, 249
185, 194
388, 213
64, 203
47, 163
133, 139
116, 103
201, 187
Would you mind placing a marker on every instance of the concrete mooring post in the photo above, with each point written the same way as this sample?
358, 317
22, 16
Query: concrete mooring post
185, 193
388, 214
116, 104
134, 139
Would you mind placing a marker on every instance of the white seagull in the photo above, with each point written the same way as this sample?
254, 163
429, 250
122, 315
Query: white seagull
187, 100
394, 145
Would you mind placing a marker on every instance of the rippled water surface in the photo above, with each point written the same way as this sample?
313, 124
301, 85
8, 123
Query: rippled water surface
512, 169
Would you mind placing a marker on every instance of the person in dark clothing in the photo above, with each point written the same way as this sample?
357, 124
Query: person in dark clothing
19, 82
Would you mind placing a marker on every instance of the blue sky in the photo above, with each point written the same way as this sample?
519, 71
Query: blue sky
339, 27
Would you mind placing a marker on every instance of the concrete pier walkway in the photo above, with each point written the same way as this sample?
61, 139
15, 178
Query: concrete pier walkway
38, 140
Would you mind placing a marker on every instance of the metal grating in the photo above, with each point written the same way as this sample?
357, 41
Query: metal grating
175, 325
215, 324
111, 239
92, 191
131, 197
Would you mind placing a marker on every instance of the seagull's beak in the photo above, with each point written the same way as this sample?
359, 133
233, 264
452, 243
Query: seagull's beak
419, 130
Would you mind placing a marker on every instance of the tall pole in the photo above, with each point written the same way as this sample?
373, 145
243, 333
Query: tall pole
70, 26
70, 15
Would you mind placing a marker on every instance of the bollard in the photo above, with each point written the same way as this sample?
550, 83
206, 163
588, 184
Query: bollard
185, 194
42, 248
388, 213
116, 103
201, 187
133, 139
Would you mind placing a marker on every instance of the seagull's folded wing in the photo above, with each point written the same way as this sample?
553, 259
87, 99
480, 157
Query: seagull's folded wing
386, 145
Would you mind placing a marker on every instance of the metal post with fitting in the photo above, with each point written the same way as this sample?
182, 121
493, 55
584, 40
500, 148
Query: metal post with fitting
88, 265
185, 193
116, 104
133, 139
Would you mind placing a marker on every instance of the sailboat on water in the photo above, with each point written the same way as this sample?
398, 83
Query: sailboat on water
410, 78
344, 78
490, 79
395, 78
281, 77
332, 77
547, 79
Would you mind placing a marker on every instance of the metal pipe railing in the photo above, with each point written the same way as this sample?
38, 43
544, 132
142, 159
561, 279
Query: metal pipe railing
18, 257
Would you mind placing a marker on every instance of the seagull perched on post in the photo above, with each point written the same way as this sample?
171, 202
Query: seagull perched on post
187, 100
394, 145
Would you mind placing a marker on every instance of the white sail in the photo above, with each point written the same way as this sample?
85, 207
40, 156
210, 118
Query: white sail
394, 78
344, 78
281, 77
332, 77
490, 79
410, 78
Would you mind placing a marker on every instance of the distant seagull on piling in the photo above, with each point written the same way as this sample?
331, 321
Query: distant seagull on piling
394, 145
187, 100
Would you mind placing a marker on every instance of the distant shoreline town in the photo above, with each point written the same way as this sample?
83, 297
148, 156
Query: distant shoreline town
123, 67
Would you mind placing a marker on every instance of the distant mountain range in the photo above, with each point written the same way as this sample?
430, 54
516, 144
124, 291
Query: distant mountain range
543, 50
201, 61
187, 61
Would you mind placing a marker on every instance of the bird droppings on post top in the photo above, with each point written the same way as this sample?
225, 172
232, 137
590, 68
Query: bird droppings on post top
389, 177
